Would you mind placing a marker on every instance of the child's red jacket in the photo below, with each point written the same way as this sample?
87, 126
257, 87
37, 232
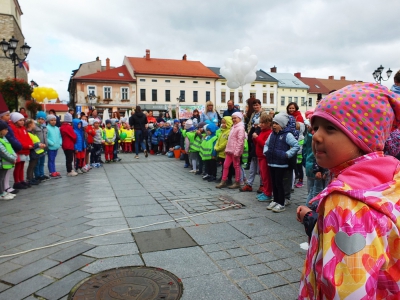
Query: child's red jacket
91, 132
21, 134
68, 136
259, 141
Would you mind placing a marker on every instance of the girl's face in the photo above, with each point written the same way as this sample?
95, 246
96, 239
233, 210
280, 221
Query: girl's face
96, 125
79, 125
223, 123
331, 147
265, 125
6, 117
31, 126
276, 127
84, 118
53, 122
235, 120
291, 109
20, 123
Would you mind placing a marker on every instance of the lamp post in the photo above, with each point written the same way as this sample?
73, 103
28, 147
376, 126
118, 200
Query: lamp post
9, 48
378, 74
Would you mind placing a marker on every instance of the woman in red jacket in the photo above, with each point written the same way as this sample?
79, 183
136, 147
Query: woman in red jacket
17, 124
293, 110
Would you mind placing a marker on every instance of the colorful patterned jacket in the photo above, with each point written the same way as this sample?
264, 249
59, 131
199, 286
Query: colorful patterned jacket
354, 249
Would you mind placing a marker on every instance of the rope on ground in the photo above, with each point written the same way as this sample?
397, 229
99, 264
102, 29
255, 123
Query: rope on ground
115, 231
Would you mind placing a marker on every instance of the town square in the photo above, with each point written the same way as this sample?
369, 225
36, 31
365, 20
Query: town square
199, 150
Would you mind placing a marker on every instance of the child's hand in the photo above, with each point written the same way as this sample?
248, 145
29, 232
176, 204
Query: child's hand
103, 141
301, 212
318, 175
76, 151
255, 135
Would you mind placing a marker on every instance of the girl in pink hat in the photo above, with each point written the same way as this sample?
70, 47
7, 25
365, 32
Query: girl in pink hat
355, 245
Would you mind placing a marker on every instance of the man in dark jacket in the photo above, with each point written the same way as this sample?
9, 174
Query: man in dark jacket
138, 121
174, 138
231, 109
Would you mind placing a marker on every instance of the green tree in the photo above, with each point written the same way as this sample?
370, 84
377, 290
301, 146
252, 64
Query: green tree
10, 88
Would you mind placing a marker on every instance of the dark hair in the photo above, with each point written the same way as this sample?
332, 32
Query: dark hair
83, 114
196, 110
250, 108
295, 106
397, 77
256, 101
138, 109
53, 111
69, 109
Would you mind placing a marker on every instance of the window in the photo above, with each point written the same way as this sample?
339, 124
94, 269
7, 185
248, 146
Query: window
167, 80
153, 95
208, 96
264, 85
142, 94
182, 96
182, 81
240, 97
207, 82
265, 98
124, 93
290, 99
223, 97
271, 98
303, 101
309, 101
252, 85
107, 92
195, 98
195, 81
142, 80
282, 100
232, 96
296, 100
223, 83
252, 95
167, 95
154, 80
121, 74
91, 90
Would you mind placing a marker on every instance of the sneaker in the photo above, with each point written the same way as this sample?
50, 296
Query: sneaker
83, 170
205, 177
192, 171
27, 184
198, 173
45, 177
11, 195
93, 165
72, 173
10, 190
145, 153
58, 174
264, 198
186, 166
54, 175
246, 188
33, 182
278, 208
6, 197
272, 205
137, 156
19, 186
299, 184
211, 179
88, 166
119, 159
292, 191
79, 171
260, 190
287, 202
107, 161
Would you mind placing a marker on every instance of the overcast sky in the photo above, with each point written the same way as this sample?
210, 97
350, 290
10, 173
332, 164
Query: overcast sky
317, 38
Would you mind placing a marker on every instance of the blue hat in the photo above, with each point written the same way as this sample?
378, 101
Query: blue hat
41, 115
176, 121
108, 121
212, 128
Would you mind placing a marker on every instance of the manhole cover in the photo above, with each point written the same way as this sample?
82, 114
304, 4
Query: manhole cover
130, 283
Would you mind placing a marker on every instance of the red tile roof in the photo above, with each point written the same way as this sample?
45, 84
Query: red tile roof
170, 67
315, 85
110, 75
336, 84
58, 107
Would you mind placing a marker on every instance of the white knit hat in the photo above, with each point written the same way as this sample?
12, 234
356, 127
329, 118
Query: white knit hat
16, 116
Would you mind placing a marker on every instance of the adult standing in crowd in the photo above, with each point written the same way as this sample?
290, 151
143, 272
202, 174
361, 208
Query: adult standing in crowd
210, 114
94, 114
150, 117
72, 112
22, 111
58, 121
161, 118
256, 113
231, 109
138, 122
196, 115
116, 115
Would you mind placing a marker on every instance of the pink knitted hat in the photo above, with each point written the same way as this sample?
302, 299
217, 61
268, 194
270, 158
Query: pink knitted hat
365, 112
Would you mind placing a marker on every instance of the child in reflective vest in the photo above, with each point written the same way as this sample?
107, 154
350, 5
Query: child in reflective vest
8, 159
35, 153
109, 137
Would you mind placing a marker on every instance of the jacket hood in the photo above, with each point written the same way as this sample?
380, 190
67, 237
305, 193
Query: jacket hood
212, 128
75, 123
229, 123
139, 114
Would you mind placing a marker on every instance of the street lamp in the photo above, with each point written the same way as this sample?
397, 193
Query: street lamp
9, 49
378, 74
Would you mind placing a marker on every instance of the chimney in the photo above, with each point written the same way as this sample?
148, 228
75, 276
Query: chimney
97, 58
147, 54
184, 57
298, 75
107, 64
273, 69
331, 77
342, 77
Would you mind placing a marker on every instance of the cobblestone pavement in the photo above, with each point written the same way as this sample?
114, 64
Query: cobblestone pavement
248, 253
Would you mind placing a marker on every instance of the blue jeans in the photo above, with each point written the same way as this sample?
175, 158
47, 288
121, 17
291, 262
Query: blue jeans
139, 141
39, 169
115, 152
51, 164
314, 186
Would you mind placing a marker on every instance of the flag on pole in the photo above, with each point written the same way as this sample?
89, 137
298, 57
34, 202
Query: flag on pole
24, 64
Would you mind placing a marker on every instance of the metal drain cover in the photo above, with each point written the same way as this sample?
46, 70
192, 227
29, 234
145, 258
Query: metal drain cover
130, 283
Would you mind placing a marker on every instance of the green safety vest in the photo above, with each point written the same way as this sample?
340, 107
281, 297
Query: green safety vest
194, 141
245, 155
4, 163
206, 148
35, 140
